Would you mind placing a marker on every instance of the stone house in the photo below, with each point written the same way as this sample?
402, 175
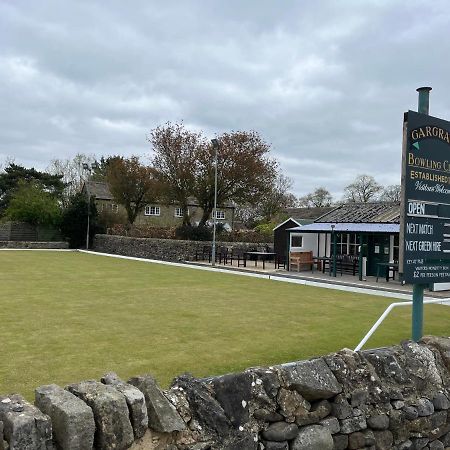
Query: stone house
155, 214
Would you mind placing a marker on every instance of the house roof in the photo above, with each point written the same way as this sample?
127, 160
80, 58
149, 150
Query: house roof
99, 190
380, 212
352, 227
298, 214
286, 221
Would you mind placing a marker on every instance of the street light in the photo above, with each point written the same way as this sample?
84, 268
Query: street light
89, 168
215, 144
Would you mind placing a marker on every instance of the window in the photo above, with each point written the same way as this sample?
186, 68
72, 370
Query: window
296, 240
152, 210
341, 243
178, 212
354, 244
395, 247
114, 207
219, 214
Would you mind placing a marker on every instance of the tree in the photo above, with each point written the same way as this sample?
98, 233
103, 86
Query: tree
71, 172
245, 171
363, 189
270, 205
392, 193
31, 203
74, 220
13, 174
132, 184
176, 160
319, 198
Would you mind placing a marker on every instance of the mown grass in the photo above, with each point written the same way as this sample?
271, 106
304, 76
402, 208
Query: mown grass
65, 317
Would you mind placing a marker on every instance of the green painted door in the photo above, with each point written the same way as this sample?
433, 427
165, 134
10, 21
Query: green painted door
378, 251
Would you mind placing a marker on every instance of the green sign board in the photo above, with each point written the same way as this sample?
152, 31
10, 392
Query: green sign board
426, 199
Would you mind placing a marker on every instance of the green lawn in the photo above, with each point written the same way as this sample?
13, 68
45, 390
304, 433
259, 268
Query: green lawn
66, 317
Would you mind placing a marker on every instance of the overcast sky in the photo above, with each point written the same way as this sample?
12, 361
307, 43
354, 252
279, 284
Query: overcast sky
325, 82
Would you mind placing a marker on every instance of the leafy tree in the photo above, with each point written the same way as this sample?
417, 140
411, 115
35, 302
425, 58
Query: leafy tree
245, 171
363, 189
185, 163
392, 193
31, 203
319, 198
13, 174
74, 221
132, 184
176, 160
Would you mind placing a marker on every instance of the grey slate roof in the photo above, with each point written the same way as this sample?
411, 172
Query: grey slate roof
380, 212
101, 191
98, 189
307, 213
349, 228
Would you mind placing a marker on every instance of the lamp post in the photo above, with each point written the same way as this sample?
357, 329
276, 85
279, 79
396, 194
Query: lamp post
215, 144
89, 168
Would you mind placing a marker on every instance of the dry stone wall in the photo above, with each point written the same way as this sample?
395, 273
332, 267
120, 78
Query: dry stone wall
388, 398
160, 249
34, 245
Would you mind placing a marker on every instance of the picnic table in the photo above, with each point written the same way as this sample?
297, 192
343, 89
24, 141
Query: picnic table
257, 255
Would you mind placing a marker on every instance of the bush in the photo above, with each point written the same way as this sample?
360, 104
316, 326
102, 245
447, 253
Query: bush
74, 221
31, 203
190, 233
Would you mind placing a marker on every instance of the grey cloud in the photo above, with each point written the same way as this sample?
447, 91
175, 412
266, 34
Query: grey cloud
326, 83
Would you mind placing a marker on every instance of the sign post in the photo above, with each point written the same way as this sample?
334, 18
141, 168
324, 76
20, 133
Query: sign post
425, 212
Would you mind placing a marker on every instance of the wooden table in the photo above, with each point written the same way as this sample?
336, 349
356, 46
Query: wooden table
263, 255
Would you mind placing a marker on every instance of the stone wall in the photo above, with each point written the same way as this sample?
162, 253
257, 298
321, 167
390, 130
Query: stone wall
33, 245
160, 249
388, 398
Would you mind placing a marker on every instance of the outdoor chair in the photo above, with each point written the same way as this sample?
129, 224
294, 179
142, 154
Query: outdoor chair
203, 253
280, 261
222, 255
237, 254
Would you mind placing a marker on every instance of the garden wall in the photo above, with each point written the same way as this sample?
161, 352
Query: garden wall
160, 249
388, 398
33, 245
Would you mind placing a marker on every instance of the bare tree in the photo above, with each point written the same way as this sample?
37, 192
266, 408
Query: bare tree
72, 172
391, 193
363, 189
319, 198
270, 205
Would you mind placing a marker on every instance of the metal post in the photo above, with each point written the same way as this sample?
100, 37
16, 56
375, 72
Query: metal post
88, 217
417, 308
417, 311
424, 100
215, 144
333, 233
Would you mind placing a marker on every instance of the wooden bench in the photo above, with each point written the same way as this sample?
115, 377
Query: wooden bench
301, 259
